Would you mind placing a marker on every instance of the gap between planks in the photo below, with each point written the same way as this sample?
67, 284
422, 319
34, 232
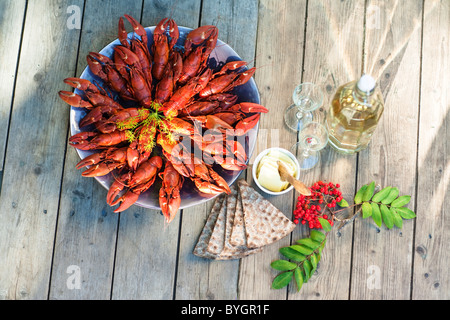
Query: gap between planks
13, 95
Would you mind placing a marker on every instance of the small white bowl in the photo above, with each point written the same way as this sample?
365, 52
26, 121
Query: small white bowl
258, 159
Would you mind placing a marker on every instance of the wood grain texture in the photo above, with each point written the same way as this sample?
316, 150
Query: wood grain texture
29, 203
237, 23
11, 18
185, 13
431, 279
87, 226
333, 55
279, 62
381, 266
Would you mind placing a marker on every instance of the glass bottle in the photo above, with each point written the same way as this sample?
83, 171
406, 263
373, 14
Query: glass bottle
354, 114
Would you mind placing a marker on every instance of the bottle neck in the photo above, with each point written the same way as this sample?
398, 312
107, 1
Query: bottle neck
362, 97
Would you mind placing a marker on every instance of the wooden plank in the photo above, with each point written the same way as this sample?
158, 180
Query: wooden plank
185, 13
431, 278
87, 226
11, 15
147, 247
36, 146
198, 278
381, 266
237, 24
333, 55
279, 62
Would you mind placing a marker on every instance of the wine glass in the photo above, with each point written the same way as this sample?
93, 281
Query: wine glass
312, 138
307, 97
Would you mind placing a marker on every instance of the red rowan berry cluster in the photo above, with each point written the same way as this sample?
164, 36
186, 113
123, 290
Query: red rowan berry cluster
310, 208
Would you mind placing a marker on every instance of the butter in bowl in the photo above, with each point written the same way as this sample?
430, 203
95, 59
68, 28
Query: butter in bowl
266, 174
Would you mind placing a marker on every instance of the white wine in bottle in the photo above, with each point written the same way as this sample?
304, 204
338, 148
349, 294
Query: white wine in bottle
354, 114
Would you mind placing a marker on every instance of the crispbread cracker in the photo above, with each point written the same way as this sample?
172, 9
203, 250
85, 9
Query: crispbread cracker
229, 220
203, 240
217, 240
238, 237
226, 255
264, 223
229, 250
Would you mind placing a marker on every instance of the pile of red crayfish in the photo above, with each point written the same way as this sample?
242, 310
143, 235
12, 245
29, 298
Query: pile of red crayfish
154, 103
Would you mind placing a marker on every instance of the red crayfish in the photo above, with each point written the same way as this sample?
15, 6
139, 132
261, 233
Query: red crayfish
153, 106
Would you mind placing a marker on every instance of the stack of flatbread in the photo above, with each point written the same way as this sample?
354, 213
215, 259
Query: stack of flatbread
240, 224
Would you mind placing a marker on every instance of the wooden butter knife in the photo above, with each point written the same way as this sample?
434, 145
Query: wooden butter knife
298, 185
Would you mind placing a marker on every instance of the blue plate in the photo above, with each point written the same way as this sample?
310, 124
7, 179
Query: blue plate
248, 92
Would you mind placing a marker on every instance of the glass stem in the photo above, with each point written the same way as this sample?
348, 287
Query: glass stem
300, 114
305, 153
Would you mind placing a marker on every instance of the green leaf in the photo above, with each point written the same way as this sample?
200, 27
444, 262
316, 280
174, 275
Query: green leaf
359, 194
282, 280
369, 192
387, 216
391, 196
400, 201
398, 221
314, 261
283, 265
318, 256
310, 243
302, 249
376, 214
381, 194
366, 210
308, 268
316, 235
343, 203
292, 254
326, 226
298, 278
406, 213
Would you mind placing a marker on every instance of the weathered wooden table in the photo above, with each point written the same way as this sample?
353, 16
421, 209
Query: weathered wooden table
60, 240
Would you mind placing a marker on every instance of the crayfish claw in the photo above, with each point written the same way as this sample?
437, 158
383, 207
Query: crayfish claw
100, 169
123, 35
126, 201
74, 100
138, 28
243, 126
90, 160
116, 187
81, 84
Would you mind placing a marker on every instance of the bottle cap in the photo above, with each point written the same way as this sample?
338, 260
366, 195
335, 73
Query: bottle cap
366, 83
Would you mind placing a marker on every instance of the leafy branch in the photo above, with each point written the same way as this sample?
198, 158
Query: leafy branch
384, 206
304, 256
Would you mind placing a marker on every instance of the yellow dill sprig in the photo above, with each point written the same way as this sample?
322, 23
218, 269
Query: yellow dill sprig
147, 130
142, 112
167, 131
153, 117
156, 106
164, 128
148, 147
128, 124
130, 136
125, 125
170, 115
147, 135
133, 122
